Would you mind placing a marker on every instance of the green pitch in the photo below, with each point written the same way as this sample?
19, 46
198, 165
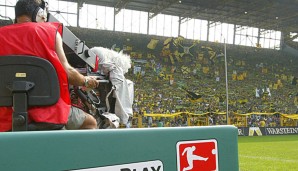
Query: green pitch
268, 153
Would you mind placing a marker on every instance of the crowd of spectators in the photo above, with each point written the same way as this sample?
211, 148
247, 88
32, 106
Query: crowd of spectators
259, 81
169, 81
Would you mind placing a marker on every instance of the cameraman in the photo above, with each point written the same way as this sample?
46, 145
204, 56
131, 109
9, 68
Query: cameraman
33, 36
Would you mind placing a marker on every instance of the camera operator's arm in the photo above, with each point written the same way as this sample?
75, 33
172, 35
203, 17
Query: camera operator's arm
74, 77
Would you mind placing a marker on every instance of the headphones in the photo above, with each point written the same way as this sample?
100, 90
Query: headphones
40, 13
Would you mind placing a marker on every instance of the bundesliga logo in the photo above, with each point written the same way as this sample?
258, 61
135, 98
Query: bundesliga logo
200, 155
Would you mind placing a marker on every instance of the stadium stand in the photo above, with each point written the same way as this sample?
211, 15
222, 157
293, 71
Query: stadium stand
260, 80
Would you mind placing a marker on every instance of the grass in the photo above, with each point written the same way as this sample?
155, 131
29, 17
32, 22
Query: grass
268, 153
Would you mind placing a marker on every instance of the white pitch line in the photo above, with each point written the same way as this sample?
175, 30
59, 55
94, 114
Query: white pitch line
270, 158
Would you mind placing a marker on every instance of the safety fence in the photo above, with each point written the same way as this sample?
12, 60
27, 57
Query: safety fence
253, 119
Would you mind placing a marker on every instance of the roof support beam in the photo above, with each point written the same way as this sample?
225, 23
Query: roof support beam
120, 5
81, 3
161, 6
190, 14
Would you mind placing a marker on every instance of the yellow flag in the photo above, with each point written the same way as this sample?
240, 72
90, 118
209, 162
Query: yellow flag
152, 44
205, 70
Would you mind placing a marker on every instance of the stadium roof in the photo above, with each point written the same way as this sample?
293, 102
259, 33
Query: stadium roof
279, 15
